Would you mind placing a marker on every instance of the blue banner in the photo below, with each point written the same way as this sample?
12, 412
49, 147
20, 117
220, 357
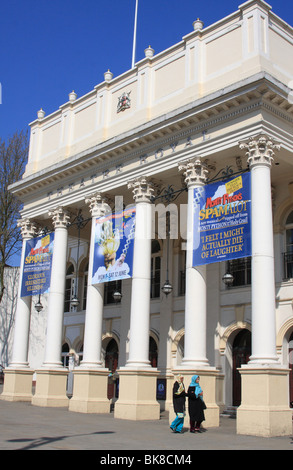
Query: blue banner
113, 250
222, 221
36, 274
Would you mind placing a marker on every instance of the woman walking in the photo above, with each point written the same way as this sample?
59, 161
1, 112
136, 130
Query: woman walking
179, 395
196, 405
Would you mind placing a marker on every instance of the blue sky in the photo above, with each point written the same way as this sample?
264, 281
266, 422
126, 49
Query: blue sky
50, 47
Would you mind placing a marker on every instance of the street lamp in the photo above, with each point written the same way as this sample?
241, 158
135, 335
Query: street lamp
228, 279
117, 296
38, 305
167, 287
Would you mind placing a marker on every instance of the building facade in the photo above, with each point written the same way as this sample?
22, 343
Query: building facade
218, 100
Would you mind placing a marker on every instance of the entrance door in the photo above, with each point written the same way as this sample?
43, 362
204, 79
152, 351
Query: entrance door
111, 363
241, 353
291, 369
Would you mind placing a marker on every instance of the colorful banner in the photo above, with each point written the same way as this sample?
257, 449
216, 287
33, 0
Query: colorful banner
113, 251
222, 221
37, 266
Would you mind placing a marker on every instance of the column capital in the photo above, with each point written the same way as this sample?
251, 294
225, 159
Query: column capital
60, 217
97, 205
27, 228
260, 149
195, 171
142, 189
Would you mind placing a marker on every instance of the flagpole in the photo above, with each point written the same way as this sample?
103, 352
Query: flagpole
134, 35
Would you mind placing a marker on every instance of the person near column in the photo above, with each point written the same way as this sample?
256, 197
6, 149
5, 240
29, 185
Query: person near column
179, 395
196, 405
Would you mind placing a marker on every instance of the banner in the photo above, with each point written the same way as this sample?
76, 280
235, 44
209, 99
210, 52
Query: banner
222, 221
36, 274
113, 250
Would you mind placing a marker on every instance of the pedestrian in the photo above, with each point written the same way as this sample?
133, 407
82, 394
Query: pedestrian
179, 395
196, 404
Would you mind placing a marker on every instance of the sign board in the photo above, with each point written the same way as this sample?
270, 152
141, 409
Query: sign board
36, 273
113, 246
222, 221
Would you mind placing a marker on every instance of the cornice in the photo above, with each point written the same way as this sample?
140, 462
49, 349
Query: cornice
258, 91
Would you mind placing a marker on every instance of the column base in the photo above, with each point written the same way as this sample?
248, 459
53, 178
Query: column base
208, 382
17, 385
264, 409
137, 395
90, 388
51, 388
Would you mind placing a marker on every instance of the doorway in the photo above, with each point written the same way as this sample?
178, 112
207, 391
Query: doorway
241, 354
111, 363
291, 369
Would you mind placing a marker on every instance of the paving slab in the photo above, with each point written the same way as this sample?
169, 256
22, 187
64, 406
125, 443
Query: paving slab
27, 427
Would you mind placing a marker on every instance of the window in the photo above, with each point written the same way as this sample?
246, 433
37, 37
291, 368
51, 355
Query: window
182, 273
288, 255
241, 271
155, 270
109, 289
85, 282
69, 288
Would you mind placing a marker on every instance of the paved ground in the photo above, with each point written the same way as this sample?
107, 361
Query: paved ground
27, 427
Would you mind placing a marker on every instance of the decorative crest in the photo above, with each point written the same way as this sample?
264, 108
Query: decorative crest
123, 102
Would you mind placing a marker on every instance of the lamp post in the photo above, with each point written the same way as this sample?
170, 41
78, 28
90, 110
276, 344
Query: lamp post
80, 222
228, 279
38, 305
167, 287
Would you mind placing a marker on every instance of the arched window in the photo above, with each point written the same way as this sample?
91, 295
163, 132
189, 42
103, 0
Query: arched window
69, 287
155, 269
288, 255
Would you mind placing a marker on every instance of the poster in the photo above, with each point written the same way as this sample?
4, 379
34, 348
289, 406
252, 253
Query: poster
222, 221
113, 246
37, 265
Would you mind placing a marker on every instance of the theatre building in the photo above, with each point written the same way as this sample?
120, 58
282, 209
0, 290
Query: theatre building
138, 152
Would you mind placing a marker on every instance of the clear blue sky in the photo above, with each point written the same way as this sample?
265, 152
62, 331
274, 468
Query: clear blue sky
50, 47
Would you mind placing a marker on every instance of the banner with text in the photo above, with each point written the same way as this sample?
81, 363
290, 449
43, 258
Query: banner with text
222, 221
36, 275
113, 251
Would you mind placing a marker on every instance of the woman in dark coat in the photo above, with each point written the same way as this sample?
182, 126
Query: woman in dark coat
179, 395
196, 405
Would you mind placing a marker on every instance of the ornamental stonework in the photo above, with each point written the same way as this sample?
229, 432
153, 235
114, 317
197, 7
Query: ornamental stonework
260, 149
195, 171
142, 189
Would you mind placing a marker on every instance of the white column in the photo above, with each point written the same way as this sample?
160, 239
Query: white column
95, 297
141, 280
196, 290
23, 310
260, 156
57, 290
